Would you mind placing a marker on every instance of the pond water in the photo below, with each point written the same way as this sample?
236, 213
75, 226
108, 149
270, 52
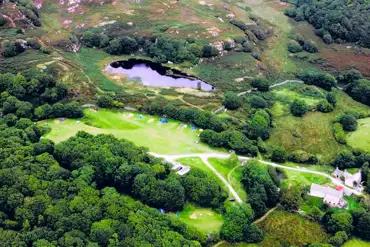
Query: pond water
156, 75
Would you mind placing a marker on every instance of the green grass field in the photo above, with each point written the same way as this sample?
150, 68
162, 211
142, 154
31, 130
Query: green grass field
167, 138
361, 137
354, 242
286, 229
205, 220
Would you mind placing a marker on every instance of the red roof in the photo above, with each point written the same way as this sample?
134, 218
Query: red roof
339, 188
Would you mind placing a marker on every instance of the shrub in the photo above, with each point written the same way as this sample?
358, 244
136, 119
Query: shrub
348, 122
360, 91
279, 154
261, 84
231, 101
338, 239
291, 12
105, 101
209, 51
247, 46
339, 133
258, 102
350, 76
324, 106
310, 46
33, 43
301, 156
8, 49
294, 46
327, 38
298, 108
320, 79
331, 98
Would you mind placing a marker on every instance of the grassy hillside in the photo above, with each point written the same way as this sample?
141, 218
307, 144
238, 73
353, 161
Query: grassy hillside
282, 228
313, 132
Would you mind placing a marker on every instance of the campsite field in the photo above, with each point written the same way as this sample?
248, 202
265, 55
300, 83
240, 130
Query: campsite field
361, 137
205, 220
168, 138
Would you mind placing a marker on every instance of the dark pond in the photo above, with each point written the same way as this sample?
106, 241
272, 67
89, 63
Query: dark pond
156, 75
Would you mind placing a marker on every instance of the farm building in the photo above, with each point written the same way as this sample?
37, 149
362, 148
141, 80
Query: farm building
181, 169
332, 197
352, 180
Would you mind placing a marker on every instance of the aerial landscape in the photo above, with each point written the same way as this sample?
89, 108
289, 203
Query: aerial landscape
215, 123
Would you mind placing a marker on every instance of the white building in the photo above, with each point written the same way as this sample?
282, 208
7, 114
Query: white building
332, 197
181, 169
351, 180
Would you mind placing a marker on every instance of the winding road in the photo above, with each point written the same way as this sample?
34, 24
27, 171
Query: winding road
205, 156
254, 89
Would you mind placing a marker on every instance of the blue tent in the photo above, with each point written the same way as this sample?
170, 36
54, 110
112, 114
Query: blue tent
161, 211
193, 127
140, 116
163, 120
177, 214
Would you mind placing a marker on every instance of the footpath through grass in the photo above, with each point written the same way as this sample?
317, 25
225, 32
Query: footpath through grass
233, 176
147, 131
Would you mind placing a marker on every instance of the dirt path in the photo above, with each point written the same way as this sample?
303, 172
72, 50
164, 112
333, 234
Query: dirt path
229, 174
265, 215
233, 192
219, 243
189, 104
206, 156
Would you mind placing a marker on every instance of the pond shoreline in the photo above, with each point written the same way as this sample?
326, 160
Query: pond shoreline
126, 66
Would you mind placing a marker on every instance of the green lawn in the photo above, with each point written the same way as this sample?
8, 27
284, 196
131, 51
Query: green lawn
303, 178
295, 178
167, 138
285, 229
355, 242
205, 220
352, 202
361, 137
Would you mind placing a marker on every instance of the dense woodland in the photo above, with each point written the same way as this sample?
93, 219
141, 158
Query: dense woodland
46, 204
335, 21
